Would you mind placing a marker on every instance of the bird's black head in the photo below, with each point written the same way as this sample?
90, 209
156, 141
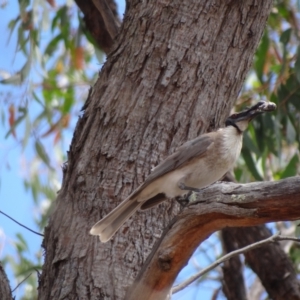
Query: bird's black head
241, 120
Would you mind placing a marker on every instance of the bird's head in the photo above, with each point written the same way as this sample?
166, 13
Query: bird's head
241, 120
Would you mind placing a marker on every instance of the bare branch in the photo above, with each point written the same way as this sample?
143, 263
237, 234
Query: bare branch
274, 238
216, 207
1, 212
274, 268
21, 282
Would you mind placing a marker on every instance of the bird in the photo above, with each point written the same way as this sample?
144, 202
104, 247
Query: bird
196, 164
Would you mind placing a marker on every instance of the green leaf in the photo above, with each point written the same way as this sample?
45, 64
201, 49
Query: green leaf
283, 93
285, 36
23, 4
290, 132
27, 132
35, 187
297, 229
11, 25
291, 168
295, 122
259, 132
250, 164
25, 70
238, 172
249, 144
283, 10
22, 40
297, 64
295, 100
261, 54
17, 122
52, 46
37, 99
68, 101
21, 243
42, 153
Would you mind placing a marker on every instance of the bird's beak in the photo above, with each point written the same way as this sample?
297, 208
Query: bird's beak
252, 112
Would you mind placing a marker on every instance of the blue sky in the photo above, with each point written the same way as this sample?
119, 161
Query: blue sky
14, 200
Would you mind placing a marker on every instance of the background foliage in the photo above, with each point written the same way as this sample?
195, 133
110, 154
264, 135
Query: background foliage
42, 99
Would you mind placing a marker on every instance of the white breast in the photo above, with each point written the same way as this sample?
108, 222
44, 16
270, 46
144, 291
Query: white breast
220, 159
232, 145
210, 168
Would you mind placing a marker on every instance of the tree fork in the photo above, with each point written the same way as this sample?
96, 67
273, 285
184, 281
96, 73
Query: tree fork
216, 207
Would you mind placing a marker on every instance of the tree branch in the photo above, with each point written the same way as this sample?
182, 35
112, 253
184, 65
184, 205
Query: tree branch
109, 19
274, 238
5, 290
271, 268
97, 23
216, 207
274, 268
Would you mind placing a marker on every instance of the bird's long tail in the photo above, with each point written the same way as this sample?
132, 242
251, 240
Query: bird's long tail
107, 227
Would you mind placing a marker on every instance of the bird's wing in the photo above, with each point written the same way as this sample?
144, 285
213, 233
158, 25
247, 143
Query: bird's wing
191, 149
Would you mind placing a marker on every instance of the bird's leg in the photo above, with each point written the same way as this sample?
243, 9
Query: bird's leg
182, 186
184, 200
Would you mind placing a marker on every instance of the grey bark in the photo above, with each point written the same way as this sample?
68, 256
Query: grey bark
175, 72
5, 290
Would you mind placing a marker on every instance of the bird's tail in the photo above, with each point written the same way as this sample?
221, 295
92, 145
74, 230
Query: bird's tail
107, 227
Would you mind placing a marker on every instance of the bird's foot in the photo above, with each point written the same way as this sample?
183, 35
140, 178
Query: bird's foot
184, 200
182, 186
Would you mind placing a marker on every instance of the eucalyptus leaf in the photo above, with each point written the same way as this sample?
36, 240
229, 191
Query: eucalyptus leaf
42, 153
297, 64
285, 36
291, 168
250, 164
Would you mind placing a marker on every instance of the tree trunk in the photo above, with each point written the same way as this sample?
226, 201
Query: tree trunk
175, 72
5, 290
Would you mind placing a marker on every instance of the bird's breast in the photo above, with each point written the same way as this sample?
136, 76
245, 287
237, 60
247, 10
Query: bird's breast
218, 160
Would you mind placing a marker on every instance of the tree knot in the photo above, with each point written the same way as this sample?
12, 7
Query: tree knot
165, 258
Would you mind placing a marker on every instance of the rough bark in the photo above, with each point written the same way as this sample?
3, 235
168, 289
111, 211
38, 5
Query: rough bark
174, 73
5, 290
274, 268
216, 207
233, 284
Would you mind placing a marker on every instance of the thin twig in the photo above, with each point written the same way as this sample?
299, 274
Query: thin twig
108, 17
20, 224
20, 283
274, 238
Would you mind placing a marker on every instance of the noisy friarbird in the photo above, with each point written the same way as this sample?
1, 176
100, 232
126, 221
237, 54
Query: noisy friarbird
196, 164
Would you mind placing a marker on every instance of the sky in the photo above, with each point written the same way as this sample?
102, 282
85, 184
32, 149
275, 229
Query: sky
14, 199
